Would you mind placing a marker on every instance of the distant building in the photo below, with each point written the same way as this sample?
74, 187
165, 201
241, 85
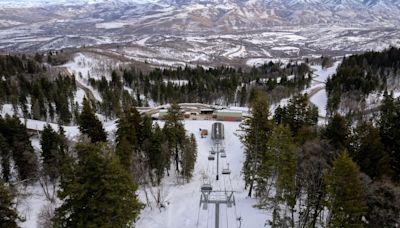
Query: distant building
217, 132
187, 115
229, 115
206, 111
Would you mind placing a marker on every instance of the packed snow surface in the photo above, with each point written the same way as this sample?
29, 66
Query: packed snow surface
321, 74
182, 201
317, 90
320, 100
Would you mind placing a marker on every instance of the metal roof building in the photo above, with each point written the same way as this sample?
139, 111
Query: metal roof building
217, 131
229, 115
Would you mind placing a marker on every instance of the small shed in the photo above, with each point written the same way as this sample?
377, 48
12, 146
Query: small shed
229, 115
204, 133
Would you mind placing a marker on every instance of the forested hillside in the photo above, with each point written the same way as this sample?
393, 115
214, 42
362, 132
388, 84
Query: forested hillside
296, 169
323, 176
38, 90
361, 75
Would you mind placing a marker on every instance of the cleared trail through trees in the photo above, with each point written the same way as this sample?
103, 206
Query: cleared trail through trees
217, 186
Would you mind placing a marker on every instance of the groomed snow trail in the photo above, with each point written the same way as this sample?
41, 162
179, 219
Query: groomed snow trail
182, 201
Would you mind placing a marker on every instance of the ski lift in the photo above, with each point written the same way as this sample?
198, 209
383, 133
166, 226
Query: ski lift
223, 155
211, 157
226, 171
206, 188
212, 152
222, 150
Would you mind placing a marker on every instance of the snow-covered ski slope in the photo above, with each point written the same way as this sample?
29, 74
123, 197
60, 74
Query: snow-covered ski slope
182, 201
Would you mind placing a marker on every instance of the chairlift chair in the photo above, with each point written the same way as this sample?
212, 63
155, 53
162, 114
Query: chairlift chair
206, 188
211, 157
226, 171
223, 155
212, 152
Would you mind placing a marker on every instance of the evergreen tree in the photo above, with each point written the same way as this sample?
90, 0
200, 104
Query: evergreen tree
52, 153
189, 155
281, 167
158, 153
5, 157
128, 126
346, 196
175, 134
369, 152
256, 131
23, 153
282, 143
337, 132
298, 113
125, 152
35, 110
90, 125
128, 131
389, 125
97, 191
8, 212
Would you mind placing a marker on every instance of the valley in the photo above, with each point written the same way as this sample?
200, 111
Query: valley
199, 113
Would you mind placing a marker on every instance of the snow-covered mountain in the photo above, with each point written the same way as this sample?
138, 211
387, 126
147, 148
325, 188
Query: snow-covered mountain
234, 14
333, 25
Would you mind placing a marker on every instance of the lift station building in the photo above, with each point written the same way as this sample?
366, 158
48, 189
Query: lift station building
229, 115
217, 131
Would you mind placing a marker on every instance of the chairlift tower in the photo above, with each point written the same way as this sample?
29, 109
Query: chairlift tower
217, 151
208, 196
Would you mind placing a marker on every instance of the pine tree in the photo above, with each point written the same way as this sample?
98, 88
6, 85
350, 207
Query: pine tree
97, 191
389, 126
128, 131
90, 125
346, 196
256, 130
125, 152
298, 113
158, 153
35, 110
5, 157
21, 148
128, 126
175, 133
189, 155
8, 212
369, 152
337, 132
281, 144
52, 154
